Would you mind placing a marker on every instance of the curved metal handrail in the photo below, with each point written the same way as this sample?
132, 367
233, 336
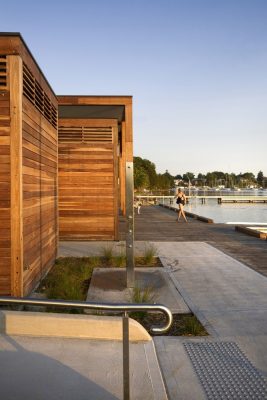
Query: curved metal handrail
112, 307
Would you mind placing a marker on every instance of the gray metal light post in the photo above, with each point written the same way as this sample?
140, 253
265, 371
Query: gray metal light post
129, 225
189, 184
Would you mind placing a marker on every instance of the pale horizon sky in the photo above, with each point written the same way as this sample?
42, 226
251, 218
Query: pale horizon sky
197, 71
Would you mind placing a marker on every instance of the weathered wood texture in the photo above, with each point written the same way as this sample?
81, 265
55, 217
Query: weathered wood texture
28, 170
5, 236
88, 195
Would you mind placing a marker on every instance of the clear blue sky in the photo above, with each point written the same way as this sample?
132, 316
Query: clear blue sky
197, 70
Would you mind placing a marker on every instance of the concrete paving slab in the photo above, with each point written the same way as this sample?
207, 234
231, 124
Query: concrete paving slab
238, 322
109, 285
228, 297
96, 248
217, 283
71, 369
178, 373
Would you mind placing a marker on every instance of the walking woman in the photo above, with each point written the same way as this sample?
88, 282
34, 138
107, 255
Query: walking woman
181, 200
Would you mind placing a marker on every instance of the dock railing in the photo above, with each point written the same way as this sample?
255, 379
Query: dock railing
123, 308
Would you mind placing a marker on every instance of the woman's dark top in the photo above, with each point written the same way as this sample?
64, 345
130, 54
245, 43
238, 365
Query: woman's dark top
180, 200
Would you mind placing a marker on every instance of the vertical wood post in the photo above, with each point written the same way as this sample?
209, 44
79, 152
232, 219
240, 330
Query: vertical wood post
15, 83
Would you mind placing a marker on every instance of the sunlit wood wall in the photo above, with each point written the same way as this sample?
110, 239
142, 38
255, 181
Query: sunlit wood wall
88, 179
28, 173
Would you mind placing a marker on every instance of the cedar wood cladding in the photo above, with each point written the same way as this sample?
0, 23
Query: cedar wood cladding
88, 179
5, 177
89, 193
28, 177
29, 165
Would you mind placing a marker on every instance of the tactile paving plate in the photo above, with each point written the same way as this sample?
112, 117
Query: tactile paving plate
225, 372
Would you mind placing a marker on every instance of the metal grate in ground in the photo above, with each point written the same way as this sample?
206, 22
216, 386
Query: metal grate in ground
225, 372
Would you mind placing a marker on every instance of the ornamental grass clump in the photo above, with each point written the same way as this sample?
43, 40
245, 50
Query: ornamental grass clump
150, 254
120, 260
68, 279
192, 326
95, 262
108, 254
140, 295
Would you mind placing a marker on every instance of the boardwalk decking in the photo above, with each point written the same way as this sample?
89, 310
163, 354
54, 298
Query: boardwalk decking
159, 224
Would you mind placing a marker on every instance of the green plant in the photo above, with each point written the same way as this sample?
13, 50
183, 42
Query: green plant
149, 254
95, 262
140, 296
192, 326
120, 260
68, 279
143, 295
108, 253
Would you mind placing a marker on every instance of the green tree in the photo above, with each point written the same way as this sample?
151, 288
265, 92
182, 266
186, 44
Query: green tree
211, 179
188, 176
141, 179
260, 178
165, 181
149, 168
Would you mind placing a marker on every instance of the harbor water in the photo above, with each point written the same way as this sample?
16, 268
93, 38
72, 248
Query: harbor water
234, 213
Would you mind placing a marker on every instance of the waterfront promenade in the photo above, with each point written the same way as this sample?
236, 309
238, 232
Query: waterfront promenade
158, 224
225, 295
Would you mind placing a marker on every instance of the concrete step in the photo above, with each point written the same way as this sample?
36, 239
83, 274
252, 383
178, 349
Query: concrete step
61, 368
62, 356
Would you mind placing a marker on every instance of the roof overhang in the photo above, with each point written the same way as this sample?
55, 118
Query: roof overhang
92, 112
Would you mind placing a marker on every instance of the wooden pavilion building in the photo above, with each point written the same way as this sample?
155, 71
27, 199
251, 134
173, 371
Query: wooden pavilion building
84, 160
28, 169
95, 142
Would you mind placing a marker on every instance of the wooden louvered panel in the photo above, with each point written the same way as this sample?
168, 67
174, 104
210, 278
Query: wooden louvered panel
5, 187
82, 134
39, 178
3, 73
37, 96
88, 179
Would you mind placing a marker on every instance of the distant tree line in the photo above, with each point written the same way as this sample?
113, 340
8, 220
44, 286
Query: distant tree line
224, 179
146, 177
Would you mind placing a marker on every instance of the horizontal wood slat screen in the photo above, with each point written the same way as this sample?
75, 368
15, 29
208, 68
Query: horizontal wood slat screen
3, 73
37, 96
84, 134
5, 228
87, 181
39, 169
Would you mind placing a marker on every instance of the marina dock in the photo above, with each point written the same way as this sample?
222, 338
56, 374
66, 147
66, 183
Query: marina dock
220, 198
